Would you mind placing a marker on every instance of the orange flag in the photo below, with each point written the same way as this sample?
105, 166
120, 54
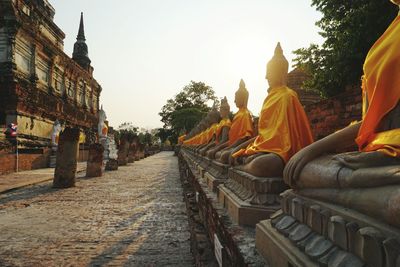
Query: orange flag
242, 126
283, 126
381, 85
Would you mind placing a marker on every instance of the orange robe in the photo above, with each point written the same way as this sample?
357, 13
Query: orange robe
242, 126
283, 127
181, 139
223, 123
381, 84
210, 133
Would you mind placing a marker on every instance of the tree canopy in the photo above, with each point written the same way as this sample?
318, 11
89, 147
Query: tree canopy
186, 109
349, 28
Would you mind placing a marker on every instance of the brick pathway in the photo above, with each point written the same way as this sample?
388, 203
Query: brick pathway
132, 217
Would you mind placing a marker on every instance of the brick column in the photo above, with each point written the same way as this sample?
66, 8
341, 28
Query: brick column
66, 163
95, 161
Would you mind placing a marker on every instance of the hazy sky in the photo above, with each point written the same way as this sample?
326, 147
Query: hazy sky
146, 51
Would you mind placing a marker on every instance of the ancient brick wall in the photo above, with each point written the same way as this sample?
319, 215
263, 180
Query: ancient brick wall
330, 115
25, 161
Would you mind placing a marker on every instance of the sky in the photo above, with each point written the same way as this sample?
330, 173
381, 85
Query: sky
145, 51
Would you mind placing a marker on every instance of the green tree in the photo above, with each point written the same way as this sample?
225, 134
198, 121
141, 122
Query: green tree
186, 109
127, 129
349, 28
163, 134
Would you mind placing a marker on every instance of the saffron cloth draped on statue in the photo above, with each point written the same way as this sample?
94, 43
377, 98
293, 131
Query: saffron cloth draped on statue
223, 123
242, 126
381, 86
283, 127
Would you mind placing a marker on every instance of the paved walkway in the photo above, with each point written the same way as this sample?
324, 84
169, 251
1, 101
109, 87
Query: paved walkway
17, 180
131, 217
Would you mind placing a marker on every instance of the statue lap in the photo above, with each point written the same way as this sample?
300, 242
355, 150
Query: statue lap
368, 182
263, 165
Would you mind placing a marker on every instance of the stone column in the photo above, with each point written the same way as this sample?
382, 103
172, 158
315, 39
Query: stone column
123, 151
132, 152
66, 163
95, 161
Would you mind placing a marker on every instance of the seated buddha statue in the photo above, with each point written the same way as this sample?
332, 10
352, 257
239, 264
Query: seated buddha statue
241, 128
181, 138
199, 132
366, 180
283, 127
222, 129
209, 136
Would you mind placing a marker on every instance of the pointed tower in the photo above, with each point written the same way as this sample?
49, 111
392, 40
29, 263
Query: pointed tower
81, 53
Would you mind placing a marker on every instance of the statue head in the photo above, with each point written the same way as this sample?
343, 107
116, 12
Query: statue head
224, 108
277, 68
241, 95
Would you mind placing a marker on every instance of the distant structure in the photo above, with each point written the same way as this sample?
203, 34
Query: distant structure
295, 81
39, 83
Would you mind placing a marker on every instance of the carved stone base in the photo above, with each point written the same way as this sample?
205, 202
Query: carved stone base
248, 198
112, 165
201, 171
277, 249
95, 162
242, 212
216, 174
66, 162
308, 232
52, 162
131, 159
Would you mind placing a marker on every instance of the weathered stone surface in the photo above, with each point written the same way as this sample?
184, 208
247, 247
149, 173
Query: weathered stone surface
29, 99
112, 165
64, 175
132, 217
328, 235
95, 161
238, 241
123, 151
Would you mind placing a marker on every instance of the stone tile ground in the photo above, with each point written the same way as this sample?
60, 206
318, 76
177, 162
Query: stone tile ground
131, 217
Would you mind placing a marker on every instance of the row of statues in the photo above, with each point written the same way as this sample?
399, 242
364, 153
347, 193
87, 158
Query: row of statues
283, 128
281, 145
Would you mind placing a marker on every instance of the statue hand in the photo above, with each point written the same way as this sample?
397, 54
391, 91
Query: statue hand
296, 164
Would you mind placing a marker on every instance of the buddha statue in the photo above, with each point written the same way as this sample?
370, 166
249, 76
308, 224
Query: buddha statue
210, 136
55, 133
366, 180
194, 136
222, 129
283, 127
102, 128
241, 129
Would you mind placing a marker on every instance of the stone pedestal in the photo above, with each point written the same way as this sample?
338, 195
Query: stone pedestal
250, 199
112, 165
131, 153
309, 232
53, 156
64, 175
105, 142
95, 161
216, 174
123, 152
